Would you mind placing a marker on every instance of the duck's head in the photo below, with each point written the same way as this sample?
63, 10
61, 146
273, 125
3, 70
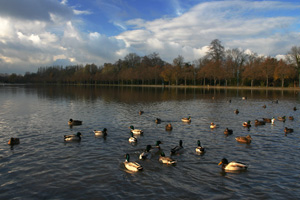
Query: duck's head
70, 120
78, 134
131, 127
248, 137
211, 123
224, 162
199, 143
158, 143
104, 130
180, 143
127, 157
249, 122
148, 147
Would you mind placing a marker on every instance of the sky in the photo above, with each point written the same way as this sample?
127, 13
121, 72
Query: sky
39, 33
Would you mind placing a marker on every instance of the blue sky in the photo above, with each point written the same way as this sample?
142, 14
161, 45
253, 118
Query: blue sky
35, 33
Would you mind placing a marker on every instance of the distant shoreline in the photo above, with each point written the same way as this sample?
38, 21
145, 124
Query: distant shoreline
169, 86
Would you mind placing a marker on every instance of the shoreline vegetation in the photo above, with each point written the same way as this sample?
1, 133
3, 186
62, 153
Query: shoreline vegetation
166, 86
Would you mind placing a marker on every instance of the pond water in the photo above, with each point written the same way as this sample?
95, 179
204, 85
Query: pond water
43, 166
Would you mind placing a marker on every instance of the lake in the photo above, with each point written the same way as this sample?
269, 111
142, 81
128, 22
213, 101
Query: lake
43, 166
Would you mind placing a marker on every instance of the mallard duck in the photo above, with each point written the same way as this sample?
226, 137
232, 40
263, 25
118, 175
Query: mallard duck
132, 166
236, 111
257, 122
247, 124
264, 106
75, 137
132, 139
267, 120
228, 131
288, 130
154, 150
177, 149
232, 166
72, 122
244, 98
136, 131
146, 154
199, 148
169, 127
213, 125
187, 120
244, 139
101, 133
291, 118
157, 120
281, 118
166, 160
13, 141
295, 108
141, 112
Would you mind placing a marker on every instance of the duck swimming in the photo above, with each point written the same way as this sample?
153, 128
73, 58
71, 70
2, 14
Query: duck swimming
166, 160
75, 137
146, 154
232, 166
228, 131
199, 148
243, 139
257, 122
132, 166
177, 149
213, 125
13, 141
187, 120
288, 130
101, 133
247, 124
136, 131
132, 139
169, 127
154, 150
72, 122
236, 111
281, 118
157, 120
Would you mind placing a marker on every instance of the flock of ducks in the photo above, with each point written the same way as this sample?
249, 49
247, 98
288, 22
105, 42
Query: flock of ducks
149, 151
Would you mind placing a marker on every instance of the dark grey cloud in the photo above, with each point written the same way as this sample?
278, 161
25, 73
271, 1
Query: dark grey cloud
34, 9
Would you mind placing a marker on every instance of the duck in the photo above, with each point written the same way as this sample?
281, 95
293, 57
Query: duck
273, 120
236, 111
288, 130
199, 148
177, 149
146, 154
267, 120
132, 166
136, 131
186, 119
291, 118
72, 122
101, 133
247, 124
157, 120
13, 141
244, 98
264, 106
275, 101
166, 160
154, 150
228, 131
141, 112
281, 118
74, 137
295, 108
244, 139
257, 122
213, 125
232, 166
169, 127
132, 139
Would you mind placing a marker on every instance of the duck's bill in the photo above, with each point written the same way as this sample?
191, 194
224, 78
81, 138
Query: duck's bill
220, 163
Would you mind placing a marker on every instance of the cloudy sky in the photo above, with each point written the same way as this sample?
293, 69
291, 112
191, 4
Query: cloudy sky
35, 33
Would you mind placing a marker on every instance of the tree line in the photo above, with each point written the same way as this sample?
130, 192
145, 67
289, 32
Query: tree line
231, 67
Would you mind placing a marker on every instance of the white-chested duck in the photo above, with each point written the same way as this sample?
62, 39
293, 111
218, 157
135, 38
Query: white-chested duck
132, 166
132, 139
199, 148
232, 166
186, 119
146, 154
74, 137
136, 131
101, 133
166, 160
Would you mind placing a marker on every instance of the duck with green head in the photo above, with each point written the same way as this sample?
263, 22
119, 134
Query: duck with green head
232, 166
199, 148
146, 154
136, 131
132, 139
132, 166
166, 160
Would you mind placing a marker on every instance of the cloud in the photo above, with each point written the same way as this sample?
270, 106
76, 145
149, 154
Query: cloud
36, 33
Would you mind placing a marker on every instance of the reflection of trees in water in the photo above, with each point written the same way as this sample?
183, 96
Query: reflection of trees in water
150, 94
